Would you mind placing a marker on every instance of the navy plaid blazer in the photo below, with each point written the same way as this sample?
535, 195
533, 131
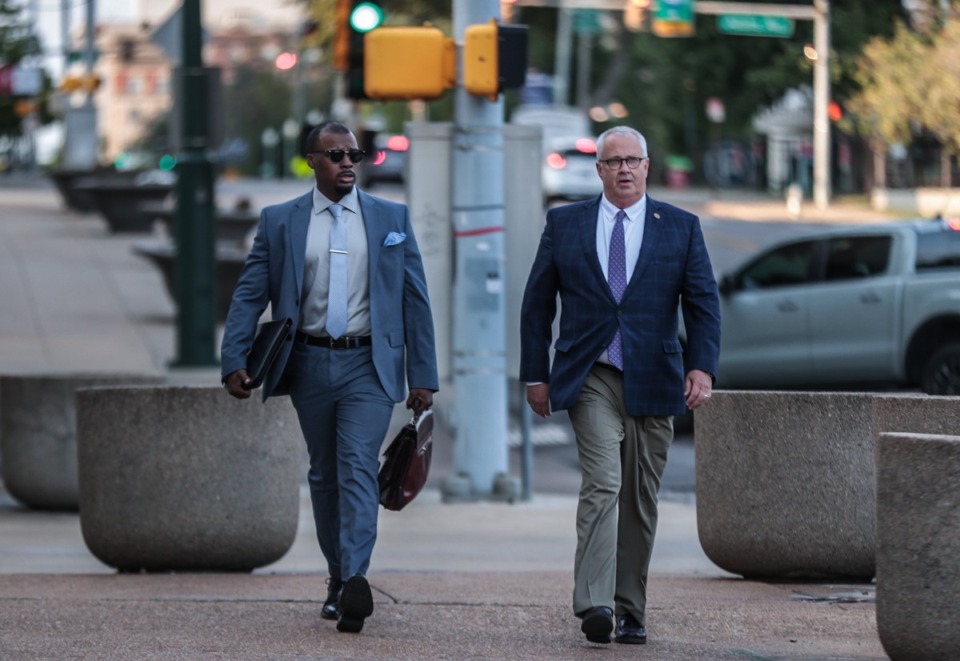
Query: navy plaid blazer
673, 270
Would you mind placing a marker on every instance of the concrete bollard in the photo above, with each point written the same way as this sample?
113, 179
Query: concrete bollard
186, 478
785, 484
38, 438
918, 545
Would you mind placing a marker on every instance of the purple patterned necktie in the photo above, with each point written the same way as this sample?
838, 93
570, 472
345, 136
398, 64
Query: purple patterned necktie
617, 277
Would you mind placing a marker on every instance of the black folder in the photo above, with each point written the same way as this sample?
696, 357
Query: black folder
266, 347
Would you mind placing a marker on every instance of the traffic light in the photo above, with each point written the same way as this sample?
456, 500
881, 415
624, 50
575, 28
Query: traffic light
88, 83
494, 58
635, 14
354, 20
409, 63
834, 111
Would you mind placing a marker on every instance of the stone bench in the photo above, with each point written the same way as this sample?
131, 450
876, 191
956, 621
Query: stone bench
785, 484
786, 481
232, 226
180, 478
918, 545
229, 263
119, 202
38, 440
80, 199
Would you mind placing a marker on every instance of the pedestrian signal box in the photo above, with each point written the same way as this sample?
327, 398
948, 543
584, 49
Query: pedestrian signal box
494, 58
408, 63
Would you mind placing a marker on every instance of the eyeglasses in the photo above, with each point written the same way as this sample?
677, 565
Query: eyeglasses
336, 155
633, 162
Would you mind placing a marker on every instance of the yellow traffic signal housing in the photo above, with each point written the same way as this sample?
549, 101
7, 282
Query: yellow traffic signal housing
71, 84
408, 63
480, 75
494, 58
91, 83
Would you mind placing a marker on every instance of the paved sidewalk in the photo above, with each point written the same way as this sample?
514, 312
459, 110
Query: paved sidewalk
463, 581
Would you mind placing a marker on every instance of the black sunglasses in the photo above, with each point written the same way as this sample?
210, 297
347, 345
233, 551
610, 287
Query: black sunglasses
336, 155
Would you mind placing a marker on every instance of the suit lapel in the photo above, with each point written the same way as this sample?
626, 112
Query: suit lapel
371, 215
588, 237
299, 224
652, 225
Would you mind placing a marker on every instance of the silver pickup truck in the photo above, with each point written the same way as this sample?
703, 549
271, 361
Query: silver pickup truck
871, 306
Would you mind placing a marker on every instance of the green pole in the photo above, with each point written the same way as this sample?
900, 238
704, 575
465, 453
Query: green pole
195, 267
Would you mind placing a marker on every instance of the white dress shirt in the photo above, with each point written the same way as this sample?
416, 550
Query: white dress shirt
316, 275
632, 236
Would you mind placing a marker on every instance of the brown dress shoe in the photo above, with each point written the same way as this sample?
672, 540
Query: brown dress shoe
597, 624
629, 631
331, 607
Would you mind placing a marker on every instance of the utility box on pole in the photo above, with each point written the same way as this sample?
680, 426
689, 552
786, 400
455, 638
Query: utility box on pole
428, 184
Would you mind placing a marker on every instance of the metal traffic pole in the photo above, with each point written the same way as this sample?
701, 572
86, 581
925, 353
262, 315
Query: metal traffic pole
195, 265
479, 321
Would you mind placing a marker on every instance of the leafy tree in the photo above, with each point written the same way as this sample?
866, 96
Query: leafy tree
17, 42
910, 87
940, 108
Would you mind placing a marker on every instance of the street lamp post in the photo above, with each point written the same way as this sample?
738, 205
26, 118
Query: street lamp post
195, 263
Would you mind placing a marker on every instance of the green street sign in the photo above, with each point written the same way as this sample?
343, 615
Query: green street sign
586, 21
755, 25
674, 11
673, 18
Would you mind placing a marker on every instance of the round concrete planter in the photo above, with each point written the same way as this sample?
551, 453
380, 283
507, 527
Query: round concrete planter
785, 484
186, 478
38, 435
918, 546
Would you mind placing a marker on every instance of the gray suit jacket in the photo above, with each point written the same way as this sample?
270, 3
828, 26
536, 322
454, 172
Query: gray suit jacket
400, 317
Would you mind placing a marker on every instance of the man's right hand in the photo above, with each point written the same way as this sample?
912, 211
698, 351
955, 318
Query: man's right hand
538, 397
238, 384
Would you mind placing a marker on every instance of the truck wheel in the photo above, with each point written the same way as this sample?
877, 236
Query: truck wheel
941, 374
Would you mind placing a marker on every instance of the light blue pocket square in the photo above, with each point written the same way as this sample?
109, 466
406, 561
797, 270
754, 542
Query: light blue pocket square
393, 238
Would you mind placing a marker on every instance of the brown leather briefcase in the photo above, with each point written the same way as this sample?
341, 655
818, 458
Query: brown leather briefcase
407, 463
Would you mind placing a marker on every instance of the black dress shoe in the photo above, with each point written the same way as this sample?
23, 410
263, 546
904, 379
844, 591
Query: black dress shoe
597, 624
356, 604
331, 607
629, 631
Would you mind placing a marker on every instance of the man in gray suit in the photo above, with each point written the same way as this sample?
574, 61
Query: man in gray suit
622, 264
344, 267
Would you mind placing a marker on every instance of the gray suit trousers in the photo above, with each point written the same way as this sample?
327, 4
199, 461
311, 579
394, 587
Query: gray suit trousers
344, 415
621, 461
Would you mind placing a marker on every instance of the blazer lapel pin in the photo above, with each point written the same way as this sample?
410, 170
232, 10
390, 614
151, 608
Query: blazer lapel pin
393, 238
656, 215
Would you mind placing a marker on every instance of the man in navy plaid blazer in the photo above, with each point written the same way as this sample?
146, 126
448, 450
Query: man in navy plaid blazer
622, 264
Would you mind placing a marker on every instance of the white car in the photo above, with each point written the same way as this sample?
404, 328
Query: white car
570, 169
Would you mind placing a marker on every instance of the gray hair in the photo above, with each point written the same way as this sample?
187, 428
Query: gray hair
622, 130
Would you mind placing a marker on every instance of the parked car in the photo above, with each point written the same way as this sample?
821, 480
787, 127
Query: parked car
570, 169
874, 306
569, 151
388, 160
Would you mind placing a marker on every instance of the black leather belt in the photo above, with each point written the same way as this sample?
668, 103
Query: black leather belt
608, 367
331, 343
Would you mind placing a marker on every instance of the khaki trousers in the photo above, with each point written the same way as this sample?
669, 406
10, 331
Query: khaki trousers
621, 461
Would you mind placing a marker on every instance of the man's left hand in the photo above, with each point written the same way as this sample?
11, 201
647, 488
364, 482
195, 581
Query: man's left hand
698, 388
419, 399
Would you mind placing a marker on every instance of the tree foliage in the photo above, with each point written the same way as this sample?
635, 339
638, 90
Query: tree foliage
17, 42
910, 83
